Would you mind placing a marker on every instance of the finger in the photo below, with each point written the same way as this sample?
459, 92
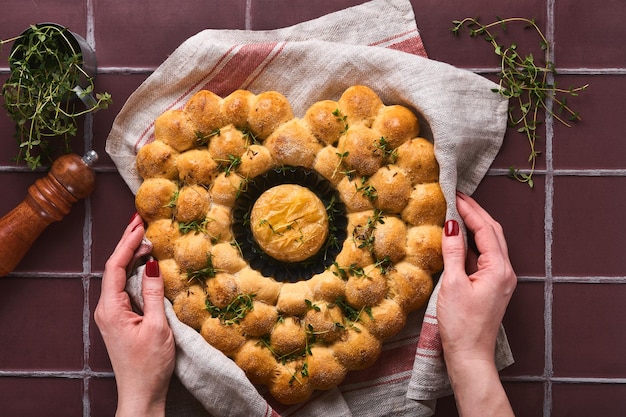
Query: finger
152, 291
477, 208
477, 222
114, 277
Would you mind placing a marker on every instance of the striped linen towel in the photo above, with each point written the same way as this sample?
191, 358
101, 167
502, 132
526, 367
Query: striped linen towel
376, 44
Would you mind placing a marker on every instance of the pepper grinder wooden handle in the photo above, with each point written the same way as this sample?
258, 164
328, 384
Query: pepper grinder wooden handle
48, 200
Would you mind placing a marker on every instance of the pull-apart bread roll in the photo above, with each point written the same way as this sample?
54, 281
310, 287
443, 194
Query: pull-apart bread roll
295, 245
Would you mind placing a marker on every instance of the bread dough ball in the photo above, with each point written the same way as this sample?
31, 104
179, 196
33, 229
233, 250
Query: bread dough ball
292, 144
192, 203
424, 248
163, 234
417, 158
203, 109
360, 105
189, 307
157, 159
426, 205
196, 166
268, 111
154, 199
325, 122
362, 151
255, 161
174, 129
396, 124
393, 188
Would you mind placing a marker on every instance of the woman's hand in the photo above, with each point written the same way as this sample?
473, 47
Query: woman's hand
141, 348
470, 307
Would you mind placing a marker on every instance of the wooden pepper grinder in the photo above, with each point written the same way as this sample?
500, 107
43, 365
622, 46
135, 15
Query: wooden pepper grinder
49, 199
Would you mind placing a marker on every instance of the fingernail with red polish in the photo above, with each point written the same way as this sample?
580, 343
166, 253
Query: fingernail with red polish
133, 218
451, 228
152, 268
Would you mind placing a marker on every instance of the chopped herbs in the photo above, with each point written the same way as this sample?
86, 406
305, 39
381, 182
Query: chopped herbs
234, 312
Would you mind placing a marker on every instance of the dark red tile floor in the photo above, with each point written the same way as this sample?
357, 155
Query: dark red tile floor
566, 320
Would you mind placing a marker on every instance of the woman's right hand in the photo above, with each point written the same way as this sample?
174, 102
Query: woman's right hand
470, 307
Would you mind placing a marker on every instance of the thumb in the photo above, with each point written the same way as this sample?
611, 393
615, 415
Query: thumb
453, 248
152, 289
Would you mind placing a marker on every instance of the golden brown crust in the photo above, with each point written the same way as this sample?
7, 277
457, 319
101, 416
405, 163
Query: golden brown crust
324, 121
196, 166
362, 151
424, 248
229, 143
227, 258
288, 337
326, 321
154, 198
328, 163
426, 205
388, 319
367, 288
157, 159
357, 350
221, 290
173, 128
353, 194
192, 203
236, 106
393, 188
190, 308
173, 280
292, 144
390, 240
417, 158
225, 188
192, 252
396, 124
268, 111
227, 338
256, 361
325, 372
255, 161
260, 320
288, 385
203, 110
409, 286
294, 337
327, 286
252, 282
360, 105
292, 300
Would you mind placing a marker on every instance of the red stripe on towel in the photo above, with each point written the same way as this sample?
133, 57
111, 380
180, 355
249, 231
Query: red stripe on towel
412, 45
239, 68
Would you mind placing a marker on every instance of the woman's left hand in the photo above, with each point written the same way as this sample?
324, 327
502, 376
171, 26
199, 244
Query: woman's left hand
141, 347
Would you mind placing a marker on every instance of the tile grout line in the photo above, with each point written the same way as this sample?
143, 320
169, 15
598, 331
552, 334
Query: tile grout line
87, 237
548, 227
248, 15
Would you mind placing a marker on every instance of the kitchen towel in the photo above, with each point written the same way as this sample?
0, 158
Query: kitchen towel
375, 44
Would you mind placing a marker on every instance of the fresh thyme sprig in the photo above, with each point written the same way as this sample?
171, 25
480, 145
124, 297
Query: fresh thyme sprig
203, 138
229, 165
528, 85
342, 118
201, 275
234, 312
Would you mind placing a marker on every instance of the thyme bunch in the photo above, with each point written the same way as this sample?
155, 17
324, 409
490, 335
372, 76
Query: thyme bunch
528, 85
